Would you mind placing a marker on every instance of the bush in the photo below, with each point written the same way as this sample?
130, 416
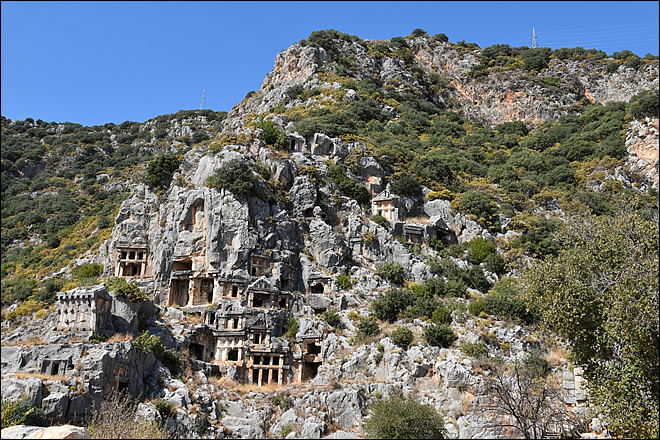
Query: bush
344, 281
441, 315
474, 349
388, 305
332, 318
439, 335
477, 307
236, 177
160, 170
117, 418
22, 412
368, 327
283, 400
380, 220
170, 358
88, 271
98, 337
479, 248
347, 185
164, 408
402, 337
495, 263
536, 365
405, 185
391, 271
399, 417
273, 135
505, 303
124, 289
292, 327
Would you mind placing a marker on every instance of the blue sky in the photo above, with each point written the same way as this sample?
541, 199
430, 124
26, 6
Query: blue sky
99, 62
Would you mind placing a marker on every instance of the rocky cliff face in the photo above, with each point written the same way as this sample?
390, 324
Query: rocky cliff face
642, 145
499, 97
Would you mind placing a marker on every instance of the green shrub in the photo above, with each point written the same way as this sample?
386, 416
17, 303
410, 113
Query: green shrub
22, 412
347, 185
402, 337
236, 177
441, 315
536, 365
332, 318
504, 302
368, 327
405, 185
439, 335
87, 271
477, 307
380, 220
404, 418
273, 135
160, 170
474, 349
495, 263
124, 289
388, 305
391, 271
423, 305
170, 358
456, 288
283, 400
344, 281
98, 337
164, 408
480, 248
292, 327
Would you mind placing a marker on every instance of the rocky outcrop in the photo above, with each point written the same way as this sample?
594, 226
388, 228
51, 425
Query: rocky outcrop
643, 148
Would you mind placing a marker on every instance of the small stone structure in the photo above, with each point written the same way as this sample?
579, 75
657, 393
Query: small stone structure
85, 310
386, 204
132, 261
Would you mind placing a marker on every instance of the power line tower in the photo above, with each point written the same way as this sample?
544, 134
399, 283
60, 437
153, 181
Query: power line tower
203, 100
534, 45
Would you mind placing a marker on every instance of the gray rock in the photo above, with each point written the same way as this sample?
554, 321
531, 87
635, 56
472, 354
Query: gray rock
312, 428
318, 301
243, 427
55, 406
15, 389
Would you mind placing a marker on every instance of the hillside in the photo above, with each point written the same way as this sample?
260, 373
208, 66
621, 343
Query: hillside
413, 215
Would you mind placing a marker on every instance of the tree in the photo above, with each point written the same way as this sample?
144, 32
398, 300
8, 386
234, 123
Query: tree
388, 305
404, 418
160, 170
236, 177
524, 403
402, 336
391, 271
439, 335
601, 295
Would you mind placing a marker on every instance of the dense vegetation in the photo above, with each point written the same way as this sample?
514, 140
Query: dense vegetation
62, 184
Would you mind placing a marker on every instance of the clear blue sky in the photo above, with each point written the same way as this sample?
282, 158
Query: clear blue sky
98, 62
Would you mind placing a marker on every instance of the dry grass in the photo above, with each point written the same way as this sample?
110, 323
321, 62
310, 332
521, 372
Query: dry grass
120, 337
244, 388
422, 220
43, 377
217, 382
34, 340
556, 357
